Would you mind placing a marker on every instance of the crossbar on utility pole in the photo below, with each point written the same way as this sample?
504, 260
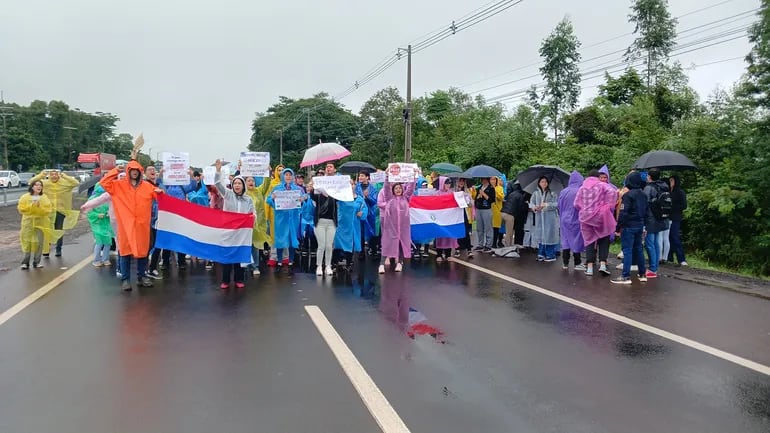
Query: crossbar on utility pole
280, 160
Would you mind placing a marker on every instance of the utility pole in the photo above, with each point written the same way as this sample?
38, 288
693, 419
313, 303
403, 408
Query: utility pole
408, 109
309, 168
280, 161
4, 114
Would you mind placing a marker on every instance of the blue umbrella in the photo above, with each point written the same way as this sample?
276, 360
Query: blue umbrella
481, 171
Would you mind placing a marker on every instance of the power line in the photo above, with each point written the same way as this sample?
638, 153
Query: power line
614, 38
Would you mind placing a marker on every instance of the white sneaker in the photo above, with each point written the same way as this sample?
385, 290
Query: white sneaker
382, 269
329, 272
398, 267
255, 272
319, 272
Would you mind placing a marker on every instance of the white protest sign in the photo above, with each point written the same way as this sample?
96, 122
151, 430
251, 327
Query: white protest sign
285, 200
209, 175
337, 187
401, 172
255, 164
461, 199
378, 177
175, 168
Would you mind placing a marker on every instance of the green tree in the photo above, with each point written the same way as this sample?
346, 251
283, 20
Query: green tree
561, 73
382, 128
655, 31
622, 90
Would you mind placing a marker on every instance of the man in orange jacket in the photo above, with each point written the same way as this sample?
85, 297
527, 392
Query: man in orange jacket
132, 200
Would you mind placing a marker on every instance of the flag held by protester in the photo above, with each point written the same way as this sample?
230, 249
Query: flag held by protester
436, 217
210, 234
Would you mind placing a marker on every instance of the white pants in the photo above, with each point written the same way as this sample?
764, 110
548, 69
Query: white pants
324, 233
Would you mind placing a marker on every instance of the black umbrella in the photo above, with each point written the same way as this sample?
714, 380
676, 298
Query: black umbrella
354, 167
664, 159
557, 177
481, 171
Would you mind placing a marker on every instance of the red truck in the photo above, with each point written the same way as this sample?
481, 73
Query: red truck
100, 163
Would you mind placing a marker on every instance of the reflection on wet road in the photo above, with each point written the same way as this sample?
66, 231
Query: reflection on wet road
451, 348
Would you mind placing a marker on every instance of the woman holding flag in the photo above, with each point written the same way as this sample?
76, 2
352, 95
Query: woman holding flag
234, 200
396, 228
444, 245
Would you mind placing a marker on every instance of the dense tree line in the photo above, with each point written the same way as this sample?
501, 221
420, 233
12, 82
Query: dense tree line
727, 136
51, 134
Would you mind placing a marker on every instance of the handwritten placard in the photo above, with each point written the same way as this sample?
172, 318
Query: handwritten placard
255, 164
461, 197
401, 172
175, 168
378, 177
286, 200
209, 175
337, 187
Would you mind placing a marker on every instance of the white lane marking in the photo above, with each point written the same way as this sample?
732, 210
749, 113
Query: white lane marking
375, 401
39, 293
743, 362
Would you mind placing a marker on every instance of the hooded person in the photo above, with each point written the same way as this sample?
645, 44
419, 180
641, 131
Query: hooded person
369, 192
497, 207
544, 204
199, 195
58, 188
604, 176
36, 228
99, 219
235, 200
287, 221
444, 246
350, 214
270, 214
395, 223
259, 237
132, 198
631, 218
102, 199
595, 202
569, 223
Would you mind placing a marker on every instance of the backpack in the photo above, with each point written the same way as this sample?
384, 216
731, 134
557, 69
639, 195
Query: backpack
661, 203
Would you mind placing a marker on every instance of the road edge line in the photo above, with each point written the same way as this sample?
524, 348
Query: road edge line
374, 400
39, 293
735, 359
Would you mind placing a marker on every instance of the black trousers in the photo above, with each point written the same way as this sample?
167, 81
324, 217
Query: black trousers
465, 243
230, 268
603, 245
565, 257
57, 225
518, 230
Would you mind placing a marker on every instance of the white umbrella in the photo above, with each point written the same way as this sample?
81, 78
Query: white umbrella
323, 152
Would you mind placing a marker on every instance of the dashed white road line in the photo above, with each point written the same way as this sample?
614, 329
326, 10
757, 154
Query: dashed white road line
39, 293
743, 362
375, 401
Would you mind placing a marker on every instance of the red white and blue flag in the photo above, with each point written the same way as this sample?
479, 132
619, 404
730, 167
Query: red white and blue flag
437, 216
210, 234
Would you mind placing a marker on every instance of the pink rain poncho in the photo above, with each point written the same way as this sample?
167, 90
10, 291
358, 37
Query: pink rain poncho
394, 214
595, 202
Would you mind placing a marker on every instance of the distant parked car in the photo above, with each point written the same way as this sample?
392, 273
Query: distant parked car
24, 178
9, 179
80, 175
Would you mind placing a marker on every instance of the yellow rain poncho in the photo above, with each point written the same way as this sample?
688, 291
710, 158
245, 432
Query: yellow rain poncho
269, 212
60, 195
257, 194
36, 223
497, 206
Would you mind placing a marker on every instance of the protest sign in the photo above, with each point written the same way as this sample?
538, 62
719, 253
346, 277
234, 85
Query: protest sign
176, 168
255, 164
285, 200
209, 175
378, 177
461, 199
337, 187
401, 172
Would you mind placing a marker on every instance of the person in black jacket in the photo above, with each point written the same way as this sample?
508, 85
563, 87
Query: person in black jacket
325, 230
514, 213
678, 205
653, 225
631, 219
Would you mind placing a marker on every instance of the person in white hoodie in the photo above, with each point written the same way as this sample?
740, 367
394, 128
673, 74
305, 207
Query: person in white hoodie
234, 200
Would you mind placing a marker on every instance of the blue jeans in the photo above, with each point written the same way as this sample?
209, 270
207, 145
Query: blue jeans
651, 245
290, 257
546, 250
125, 267
631, 243
101, 253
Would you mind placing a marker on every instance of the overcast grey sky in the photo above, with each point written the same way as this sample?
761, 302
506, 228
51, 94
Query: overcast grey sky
191, 74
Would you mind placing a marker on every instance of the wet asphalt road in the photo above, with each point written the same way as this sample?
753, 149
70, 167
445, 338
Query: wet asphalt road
185, 357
